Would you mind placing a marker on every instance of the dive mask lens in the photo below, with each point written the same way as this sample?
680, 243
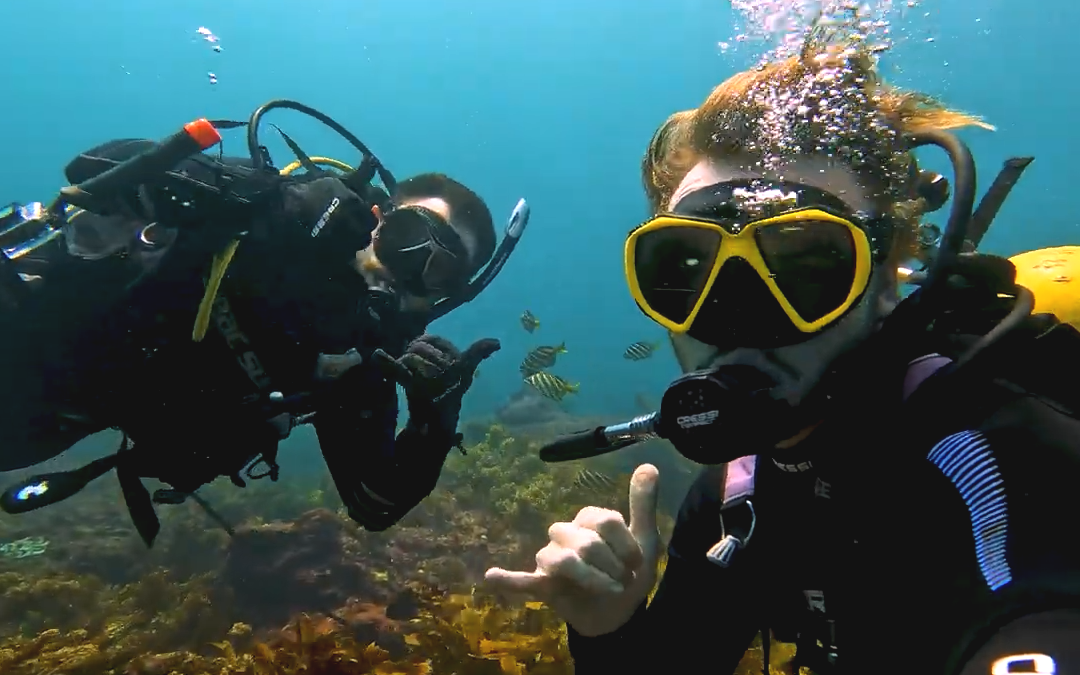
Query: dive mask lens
812, 263
444, 274
422, 252
673, 266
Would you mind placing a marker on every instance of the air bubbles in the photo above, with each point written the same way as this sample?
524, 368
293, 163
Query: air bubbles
829, 109
207, 36
784, 26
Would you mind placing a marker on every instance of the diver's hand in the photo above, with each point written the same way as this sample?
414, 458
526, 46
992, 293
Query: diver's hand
597, 570
338, 220
435, 376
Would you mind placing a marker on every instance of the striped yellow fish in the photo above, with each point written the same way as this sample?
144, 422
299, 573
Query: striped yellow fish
594, 481
541, 358
551, 386
640, 350
529, 322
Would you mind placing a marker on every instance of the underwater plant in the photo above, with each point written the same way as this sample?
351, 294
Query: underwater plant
27, 547
94, 601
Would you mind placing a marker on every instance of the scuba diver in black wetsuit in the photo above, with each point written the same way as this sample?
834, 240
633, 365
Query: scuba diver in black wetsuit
205, 306
891, 484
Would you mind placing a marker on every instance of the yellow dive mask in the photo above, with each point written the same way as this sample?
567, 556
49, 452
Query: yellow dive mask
753, 263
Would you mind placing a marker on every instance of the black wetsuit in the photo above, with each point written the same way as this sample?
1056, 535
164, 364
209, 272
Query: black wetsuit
910, 528
101, 346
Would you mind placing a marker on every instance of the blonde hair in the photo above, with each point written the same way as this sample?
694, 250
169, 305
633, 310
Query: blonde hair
830, 99
668, 158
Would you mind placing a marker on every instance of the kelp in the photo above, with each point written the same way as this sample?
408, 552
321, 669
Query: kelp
458, 636
96, 602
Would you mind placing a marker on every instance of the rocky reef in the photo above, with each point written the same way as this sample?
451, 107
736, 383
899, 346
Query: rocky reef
298, 587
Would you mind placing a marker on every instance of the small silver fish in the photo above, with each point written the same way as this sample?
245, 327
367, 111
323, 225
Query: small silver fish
529, 322
551, 386
640, 350
541, 358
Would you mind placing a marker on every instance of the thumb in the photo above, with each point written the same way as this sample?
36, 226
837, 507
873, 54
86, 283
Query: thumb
644, 489
478, 351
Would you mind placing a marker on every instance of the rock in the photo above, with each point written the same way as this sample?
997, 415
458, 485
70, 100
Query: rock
278, 569
527, 407
321, 561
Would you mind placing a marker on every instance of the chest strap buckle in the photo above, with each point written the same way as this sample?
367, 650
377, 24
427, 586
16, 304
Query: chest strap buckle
739, 484
735, 539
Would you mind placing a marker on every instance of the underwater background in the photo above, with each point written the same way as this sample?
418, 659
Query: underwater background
551, 101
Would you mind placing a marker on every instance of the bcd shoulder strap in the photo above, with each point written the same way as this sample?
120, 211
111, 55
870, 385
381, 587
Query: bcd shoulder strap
1040, 359
1044, 364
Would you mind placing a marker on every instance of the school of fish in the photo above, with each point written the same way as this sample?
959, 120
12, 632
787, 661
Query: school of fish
536, 366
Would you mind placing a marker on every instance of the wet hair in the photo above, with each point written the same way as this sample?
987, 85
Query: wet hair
829, 99
668, 158
469, 215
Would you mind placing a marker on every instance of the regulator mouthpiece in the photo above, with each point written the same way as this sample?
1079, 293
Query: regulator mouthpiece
715, 416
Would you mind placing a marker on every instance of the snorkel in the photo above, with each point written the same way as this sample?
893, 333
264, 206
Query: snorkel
708, 415
515, 227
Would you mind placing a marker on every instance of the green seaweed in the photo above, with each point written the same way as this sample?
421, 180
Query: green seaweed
27, 547
404, 601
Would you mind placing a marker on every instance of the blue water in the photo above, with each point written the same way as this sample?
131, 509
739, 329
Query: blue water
552, 101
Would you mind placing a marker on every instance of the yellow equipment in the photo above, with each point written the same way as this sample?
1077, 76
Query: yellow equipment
1053, 275
318, 161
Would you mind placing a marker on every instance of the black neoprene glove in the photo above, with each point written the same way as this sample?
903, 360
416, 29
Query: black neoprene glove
335, 217
435, 376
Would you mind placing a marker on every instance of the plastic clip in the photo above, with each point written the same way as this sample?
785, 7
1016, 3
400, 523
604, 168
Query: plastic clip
724, 550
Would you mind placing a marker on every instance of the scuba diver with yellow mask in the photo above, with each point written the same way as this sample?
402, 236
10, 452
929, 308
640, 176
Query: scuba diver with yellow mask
891, 480
206, 305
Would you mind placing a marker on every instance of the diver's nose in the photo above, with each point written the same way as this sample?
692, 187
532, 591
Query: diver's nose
741, 312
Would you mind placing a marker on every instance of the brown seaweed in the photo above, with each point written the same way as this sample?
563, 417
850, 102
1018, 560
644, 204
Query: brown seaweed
300, 589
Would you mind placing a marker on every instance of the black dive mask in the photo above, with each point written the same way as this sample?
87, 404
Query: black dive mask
715, 416
422, 251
